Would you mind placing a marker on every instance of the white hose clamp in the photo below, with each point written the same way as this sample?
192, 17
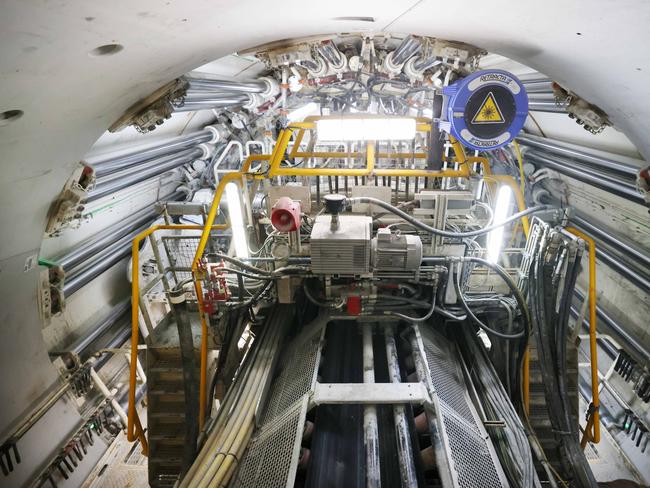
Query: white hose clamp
254, 101
410, 71
207, 150
219, 133
389, 66
177, 298
272, 87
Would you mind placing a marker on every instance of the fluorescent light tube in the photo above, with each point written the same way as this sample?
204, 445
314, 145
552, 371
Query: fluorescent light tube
371, 129
236, 220
501, 211
299, 114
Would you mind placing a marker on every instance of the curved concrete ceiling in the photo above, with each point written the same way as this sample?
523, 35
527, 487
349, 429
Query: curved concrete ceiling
69, 97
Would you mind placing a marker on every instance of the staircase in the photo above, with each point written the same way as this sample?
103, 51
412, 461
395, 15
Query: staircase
166, 404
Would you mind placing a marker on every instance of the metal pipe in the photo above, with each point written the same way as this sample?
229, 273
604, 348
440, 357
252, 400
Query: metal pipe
599, 180
402, 433
541, 86
613, 262
618, 329
612, 240
370, 428
174, 162
225, 85
105, 238
605, 163
215, 98
204, 93
534, 78
551, 107
101, 386
202, 105
104, 253
90, 273
146, 166
541, 97
407, 48
99, 328
104, 167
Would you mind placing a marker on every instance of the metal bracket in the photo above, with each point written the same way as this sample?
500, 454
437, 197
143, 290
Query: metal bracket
369, 393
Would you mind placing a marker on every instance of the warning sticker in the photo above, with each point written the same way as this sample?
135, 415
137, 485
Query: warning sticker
489, 112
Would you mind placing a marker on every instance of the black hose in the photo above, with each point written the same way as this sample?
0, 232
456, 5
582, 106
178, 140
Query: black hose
475, 319
412, 220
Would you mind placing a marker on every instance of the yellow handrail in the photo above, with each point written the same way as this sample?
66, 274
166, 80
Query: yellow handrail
593, 346
134, 429
134, 426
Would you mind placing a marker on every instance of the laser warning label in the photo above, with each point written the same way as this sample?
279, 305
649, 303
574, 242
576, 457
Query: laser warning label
489, 112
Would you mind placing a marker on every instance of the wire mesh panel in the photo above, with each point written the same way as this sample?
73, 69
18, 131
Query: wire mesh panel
470, 453
181, 249
297, 375
272, 456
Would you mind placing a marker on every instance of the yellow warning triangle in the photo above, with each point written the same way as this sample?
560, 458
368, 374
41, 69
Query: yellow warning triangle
489, 113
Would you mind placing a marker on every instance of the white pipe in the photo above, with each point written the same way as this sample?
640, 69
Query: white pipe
370, 428
101, 386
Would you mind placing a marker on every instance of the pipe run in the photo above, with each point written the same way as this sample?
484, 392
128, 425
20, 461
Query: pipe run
152, 170
612, 240
370, 426
587, 175
209, 104
609, 164
619, 330
105, 238
104, 260
110, 165
99, 328
402, 433
204, 84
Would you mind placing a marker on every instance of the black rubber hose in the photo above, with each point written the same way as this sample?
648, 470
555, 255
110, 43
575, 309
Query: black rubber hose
412, 220
475, 319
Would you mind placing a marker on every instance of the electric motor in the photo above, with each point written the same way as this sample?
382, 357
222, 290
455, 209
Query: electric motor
395, 252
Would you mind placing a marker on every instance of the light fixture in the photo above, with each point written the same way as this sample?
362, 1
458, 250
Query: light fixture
299, 114
369, 129
501, 210
236, 220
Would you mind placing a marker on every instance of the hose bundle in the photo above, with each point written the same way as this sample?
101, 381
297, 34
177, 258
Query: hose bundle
551, 282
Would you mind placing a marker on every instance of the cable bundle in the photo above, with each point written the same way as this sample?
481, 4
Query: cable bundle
551, 281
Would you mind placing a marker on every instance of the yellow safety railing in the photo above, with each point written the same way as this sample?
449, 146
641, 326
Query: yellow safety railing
134, 429
592, 429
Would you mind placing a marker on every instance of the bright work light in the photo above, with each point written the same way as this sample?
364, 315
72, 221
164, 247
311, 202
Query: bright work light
370, 129
236, 220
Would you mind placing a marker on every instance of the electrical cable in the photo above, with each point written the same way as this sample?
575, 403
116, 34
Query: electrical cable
474, 318
412, 220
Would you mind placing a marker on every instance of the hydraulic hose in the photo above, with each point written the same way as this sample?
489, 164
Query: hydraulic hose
475, 319
439, 232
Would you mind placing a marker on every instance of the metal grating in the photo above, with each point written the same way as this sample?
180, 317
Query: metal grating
297, 375
471, 455
272, 456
